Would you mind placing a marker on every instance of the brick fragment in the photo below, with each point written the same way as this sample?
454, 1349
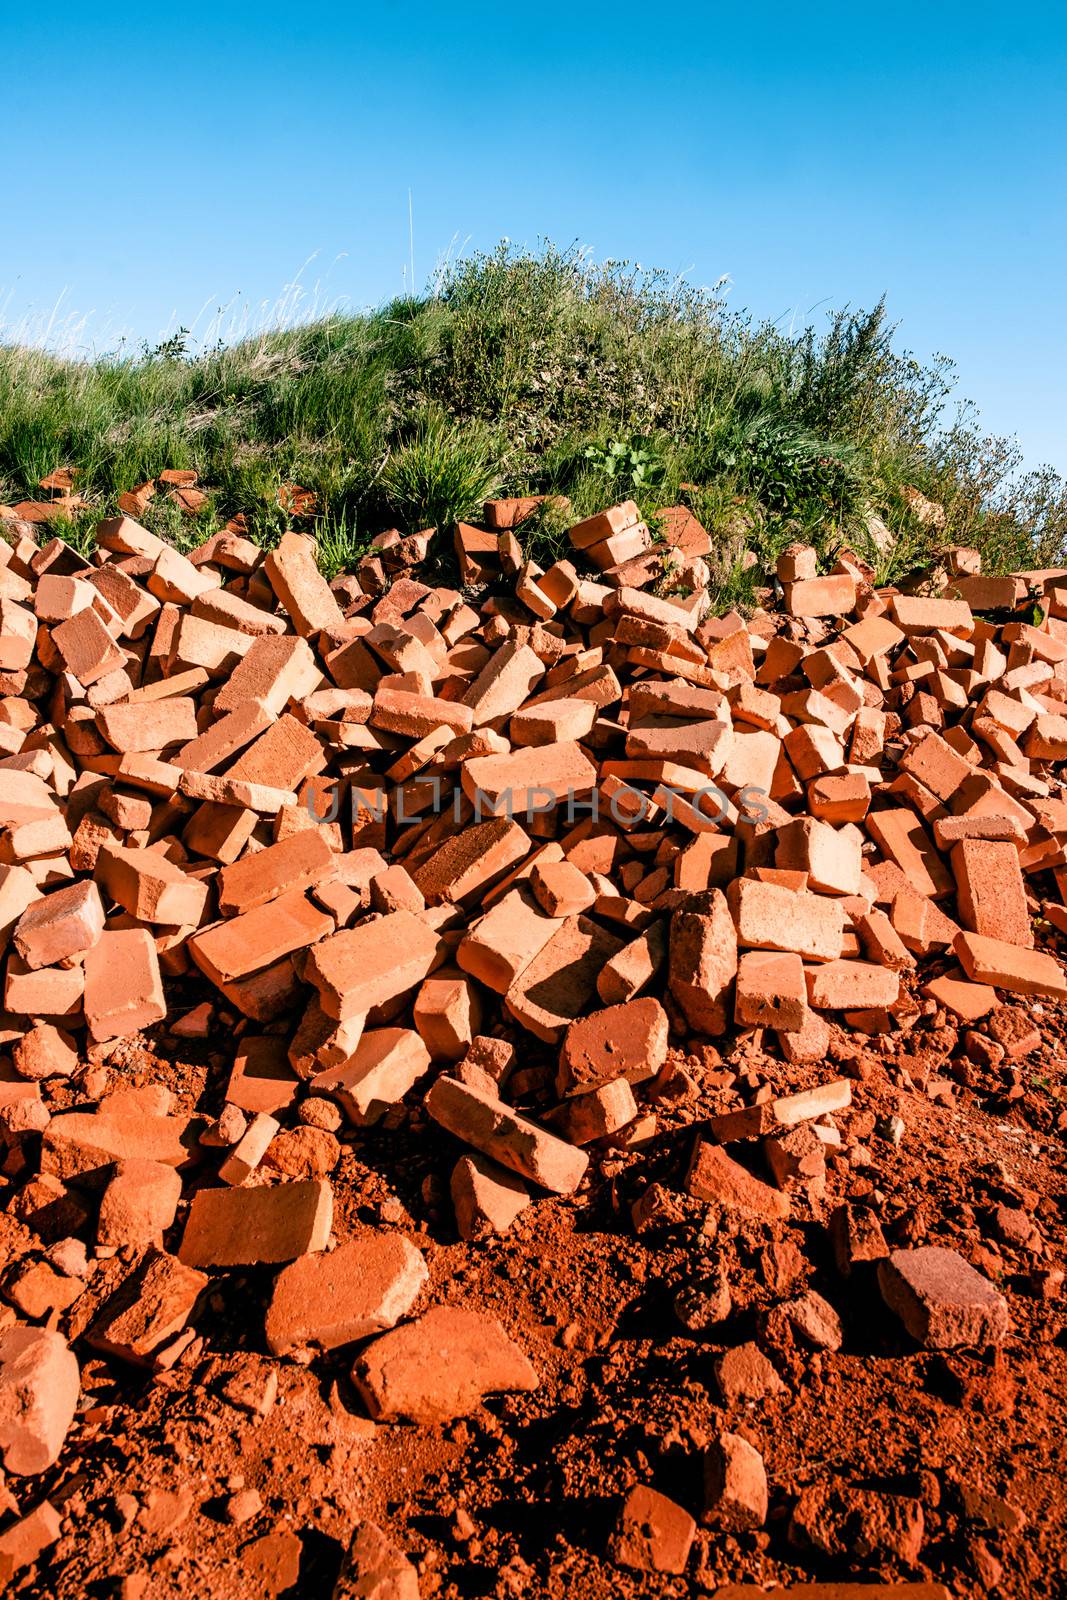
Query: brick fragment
703, 959
771, 917
447, 1014
652, 1534
735, 1483
602, 1111
149, 1309
623, 1041
942, 1300
837, 985
39, 1384
486, 1197
44, 1051
139, 1204
249, 1227
384, 1064
771, 992
60, 926
26, 1540
506, 1137
557, 985
715, 1178
330, 1300
505, 940
561, 890
87, 648
150, 887
440, 1366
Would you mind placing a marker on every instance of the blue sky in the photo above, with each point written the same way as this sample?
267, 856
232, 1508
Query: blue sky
160, 167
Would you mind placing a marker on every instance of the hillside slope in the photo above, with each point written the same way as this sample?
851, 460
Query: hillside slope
530, 373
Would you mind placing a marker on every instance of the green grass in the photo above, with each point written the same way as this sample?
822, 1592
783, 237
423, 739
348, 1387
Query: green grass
541, 373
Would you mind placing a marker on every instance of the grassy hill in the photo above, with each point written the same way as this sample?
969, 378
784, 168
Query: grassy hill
528, 373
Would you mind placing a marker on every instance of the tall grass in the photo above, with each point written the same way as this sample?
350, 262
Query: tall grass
541, 372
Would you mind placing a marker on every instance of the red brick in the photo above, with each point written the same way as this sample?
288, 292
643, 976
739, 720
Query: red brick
305, 596
59, 926
384, 1064
123, 988
557, 985
505, 940
703, 959
150, 887
151, 725
837, 985
942, 1300
1008, 966
715, 1179
486, 1197
366, 966
834, 596
770, 990
506, 1137
915, 615
468, 862
770, 917
624, 1041
990, 891
527, 781
903, 840
300, 862
249, 1227
247, 943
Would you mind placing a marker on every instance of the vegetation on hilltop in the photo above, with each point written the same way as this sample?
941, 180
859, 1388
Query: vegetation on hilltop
524, 372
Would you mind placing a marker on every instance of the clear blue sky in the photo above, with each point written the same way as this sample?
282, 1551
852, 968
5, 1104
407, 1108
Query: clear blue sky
157, 167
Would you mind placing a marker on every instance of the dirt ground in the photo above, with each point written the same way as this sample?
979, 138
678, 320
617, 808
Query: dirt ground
862, 1446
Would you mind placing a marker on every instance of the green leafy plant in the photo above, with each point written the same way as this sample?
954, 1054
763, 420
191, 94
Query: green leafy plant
629, 464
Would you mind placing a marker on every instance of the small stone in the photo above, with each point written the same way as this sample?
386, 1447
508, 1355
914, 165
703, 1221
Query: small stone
702, 1305
242, 1506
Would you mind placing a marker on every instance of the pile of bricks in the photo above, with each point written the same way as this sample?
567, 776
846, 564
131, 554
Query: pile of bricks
490, 853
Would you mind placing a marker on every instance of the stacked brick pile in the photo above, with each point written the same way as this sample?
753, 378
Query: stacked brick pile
492, 854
